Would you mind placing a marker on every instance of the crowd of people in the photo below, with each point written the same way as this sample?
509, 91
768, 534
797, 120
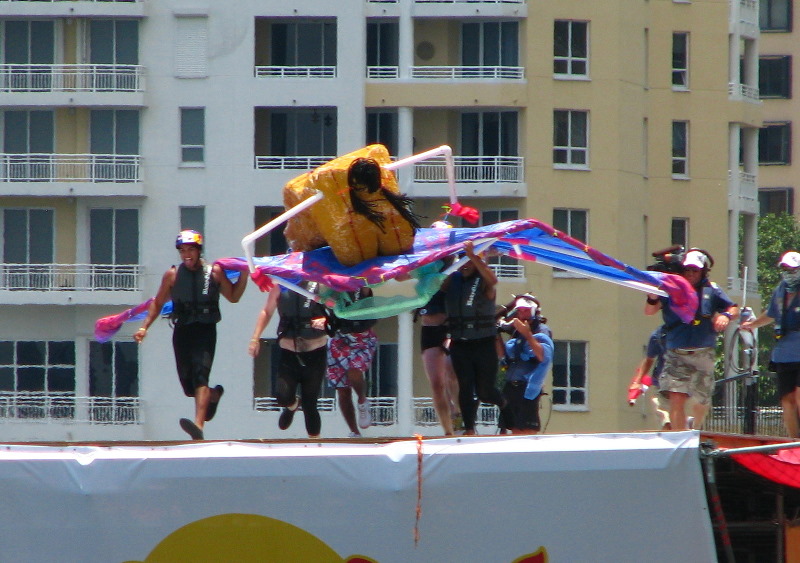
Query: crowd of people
466, 339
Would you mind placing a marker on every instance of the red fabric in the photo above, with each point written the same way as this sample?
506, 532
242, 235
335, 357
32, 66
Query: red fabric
262, 280
469, 214
781, 467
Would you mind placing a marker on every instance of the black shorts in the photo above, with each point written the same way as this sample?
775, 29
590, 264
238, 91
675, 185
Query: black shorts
788, 377
520, 413
433, 336
194, 345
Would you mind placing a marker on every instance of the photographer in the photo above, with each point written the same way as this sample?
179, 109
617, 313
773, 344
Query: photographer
689, 357
527, 356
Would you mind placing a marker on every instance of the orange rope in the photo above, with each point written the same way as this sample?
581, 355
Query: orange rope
419, 488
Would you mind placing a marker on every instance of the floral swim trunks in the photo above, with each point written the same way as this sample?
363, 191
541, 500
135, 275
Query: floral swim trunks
349, 351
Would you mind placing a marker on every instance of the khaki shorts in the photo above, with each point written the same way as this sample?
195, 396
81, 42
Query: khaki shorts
689, 372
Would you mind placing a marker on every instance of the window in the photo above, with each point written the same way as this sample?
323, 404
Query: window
114, 133
486, 138
680, 149
680, 61
776, 201
382, 128
191, 47
569, 375
570, 139
37, 379
775, 143
679, 231
303, 43
503, 266
114, 382
274, 242
491, 44
114, 248
28, 248
27, 42
775, 77
296, 132
382, 44
775, 15
113, 42
575, 223
193, 135
28, 134
194, 218
570, 48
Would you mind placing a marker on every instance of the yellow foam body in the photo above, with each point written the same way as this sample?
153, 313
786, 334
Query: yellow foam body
332, 221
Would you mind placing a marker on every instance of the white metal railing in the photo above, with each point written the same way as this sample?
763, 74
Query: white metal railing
382, 409
743, 91
71, 78
473, 169
70, 277
69, 167
469, 72
425, 413
508, 270
46, 407
290, 162
743, 184
383, 72
295, 71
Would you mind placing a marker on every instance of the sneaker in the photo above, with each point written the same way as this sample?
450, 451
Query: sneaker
287, 416
690, 422
364, 416
191, 429
354, 435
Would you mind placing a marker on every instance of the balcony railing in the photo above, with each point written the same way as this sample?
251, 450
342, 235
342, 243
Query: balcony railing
473, 169
69, 167
69, 277
382, 409
46, 407
743, 91
290, 162
425, 413
71, 78
508, 270
468, 72
295, 71
383, 72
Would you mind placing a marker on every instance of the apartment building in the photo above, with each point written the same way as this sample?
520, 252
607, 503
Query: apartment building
631, 125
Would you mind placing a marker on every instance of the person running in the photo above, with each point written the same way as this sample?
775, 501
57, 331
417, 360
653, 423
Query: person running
194, 288
303, 351
350, 354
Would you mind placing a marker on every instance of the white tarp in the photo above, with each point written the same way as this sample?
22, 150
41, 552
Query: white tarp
580, 498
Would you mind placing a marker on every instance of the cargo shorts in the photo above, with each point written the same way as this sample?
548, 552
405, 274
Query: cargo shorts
690, 372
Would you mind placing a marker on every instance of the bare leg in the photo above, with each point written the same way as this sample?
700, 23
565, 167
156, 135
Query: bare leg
345, 396
434, 361
677, 410
789, 403
699, 411
452, 386
202, 397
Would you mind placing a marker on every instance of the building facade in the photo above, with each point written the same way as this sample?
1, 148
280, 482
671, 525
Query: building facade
629, 124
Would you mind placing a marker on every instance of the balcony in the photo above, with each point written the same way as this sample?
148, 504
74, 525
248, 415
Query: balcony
743, 191
71, 78
295, 71
62, 284
743, 92
290, 162
472, 169
468, 72
69, 174
48, 407
743, 17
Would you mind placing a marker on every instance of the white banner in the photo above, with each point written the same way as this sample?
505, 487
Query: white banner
548, 498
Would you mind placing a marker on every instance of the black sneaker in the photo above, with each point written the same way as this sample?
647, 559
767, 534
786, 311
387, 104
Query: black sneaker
191, 429
212, 406
286, 418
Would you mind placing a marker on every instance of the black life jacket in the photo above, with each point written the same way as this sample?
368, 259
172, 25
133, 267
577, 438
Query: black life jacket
470, 313
195, 296
296, 312
352, 326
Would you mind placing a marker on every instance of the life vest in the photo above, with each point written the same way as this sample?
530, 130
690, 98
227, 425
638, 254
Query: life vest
470, 313
296, 312
195, 296
350, 326
782, 323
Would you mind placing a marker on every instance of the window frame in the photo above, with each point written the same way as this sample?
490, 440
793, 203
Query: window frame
681, 73
570, 149
680, 154
569, 230
568, 389
784, 145
788, 196
193, 136
765, 83
679, 224
768, 5
569, 59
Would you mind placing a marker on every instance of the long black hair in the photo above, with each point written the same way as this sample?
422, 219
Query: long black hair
366, 172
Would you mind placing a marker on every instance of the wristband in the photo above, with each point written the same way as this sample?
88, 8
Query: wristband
142, 329
653, 301
727, 314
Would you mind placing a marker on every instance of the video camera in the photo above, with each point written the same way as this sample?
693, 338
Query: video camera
669, 260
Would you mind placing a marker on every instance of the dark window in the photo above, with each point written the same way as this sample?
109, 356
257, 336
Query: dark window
774, 143
382, 44
382, 129
569, 373
571, 47
680, 60
679, 231
776, 201
775, 77
775, 15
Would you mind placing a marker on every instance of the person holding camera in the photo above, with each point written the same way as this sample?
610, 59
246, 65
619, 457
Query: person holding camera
526, 356
784, 311
689, 357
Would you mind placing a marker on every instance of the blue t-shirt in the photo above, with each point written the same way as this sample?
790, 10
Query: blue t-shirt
787, 347
523, 364
700, 333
